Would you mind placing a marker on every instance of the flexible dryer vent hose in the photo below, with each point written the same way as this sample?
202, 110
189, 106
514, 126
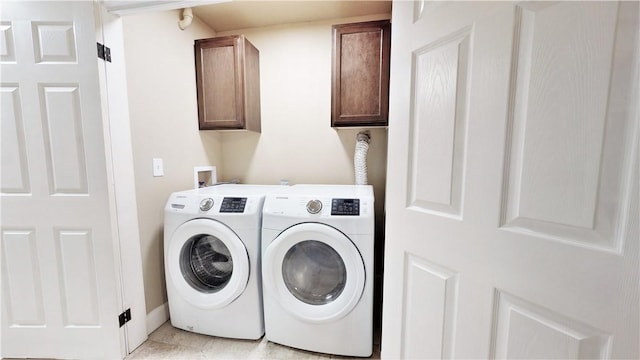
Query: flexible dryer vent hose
187, 18
360, 157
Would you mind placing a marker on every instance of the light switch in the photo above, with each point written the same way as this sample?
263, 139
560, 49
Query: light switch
158, 168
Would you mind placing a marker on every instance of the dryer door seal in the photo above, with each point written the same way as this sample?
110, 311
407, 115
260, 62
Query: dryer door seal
315, 272
207, 263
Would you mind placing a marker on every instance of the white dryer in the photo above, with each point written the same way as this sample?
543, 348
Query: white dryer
212, 260
317, 268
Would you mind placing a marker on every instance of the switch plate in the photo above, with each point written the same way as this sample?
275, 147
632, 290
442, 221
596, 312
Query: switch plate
158, 167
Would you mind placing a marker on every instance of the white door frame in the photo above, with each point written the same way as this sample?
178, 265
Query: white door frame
117, 130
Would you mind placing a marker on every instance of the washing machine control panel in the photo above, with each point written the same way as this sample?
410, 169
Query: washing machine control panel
345, 207
233, 204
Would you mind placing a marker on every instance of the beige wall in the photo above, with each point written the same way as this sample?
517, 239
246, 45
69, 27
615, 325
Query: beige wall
164, 124
297, 142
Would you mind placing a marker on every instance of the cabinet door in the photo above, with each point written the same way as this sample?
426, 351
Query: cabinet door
360, 74
227, 75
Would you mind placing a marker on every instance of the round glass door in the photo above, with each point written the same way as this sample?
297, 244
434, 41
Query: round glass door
314, 272
207, 263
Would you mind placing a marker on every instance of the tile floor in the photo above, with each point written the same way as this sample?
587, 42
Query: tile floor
168, 342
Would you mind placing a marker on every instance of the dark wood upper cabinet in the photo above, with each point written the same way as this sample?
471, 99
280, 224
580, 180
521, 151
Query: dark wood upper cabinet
228, 82
360, 74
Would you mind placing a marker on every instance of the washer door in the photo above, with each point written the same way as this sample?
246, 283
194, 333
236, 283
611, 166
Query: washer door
315, 272
208, 263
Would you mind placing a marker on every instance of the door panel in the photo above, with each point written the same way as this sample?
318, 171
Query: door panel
78, 287
59, 280
430, 301
438, 125
54, 42
23, 299
525, 330
512, 181
63, 140
15, 174
566, 171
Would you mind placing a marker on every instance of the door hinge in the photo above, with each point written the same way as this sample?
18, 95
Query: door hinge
124, 317
104, 52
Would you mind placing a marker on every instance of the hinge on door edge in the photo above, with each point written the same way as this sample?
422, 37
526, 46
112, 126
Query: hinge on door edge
124, 317
104, 52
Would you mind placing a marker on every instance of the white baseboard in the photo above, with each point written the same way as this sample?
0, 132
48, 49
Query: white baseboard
157, 317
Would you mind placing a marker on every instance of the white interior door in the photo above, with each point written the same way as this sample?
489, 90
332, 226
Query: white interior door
512, 189
60, 292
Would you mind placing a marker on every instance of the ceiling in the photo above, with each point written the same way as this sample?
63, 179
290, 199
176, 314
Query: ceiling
242, 14
224, 15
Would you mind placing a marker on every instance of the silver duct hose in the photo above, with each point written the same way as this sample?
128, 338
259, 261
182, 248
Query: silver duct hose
360, 157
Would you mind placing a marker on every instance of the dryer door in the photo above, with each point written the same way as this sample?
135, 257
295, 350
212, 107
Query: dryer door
208, 263
315, 272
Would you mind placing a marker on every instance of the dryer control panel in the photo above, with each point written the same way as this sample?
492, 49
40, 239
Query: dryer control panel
233, 204
345, 207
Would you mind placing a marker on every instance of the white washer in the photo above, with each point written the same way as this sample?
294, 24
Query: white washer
317, 268
212, 260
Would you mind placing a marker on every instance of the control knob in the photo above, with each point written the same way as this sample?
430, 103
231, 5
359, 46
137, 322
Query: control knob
314, 206
206, 204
